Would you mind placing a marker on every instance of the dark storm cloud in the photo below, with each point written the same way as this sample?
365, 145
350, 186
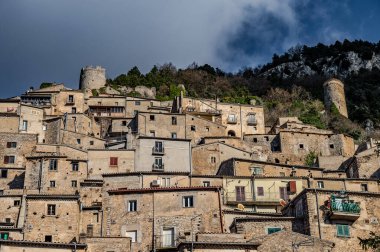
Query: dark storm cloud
44, 40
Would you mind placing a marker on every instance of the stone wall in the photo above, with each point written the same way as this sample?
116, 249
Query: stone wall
38, 223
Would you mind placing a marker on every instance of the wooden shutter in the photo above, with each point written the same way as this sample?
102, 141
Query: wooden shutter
6, 159
260, 191
292, 187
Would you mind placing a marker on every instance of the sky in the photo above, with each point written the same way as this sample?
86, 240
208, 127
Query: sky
50, 41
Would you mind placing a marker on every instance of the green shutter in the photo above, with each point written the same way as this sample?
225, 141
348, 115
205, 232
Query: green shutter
273, 230
343, 230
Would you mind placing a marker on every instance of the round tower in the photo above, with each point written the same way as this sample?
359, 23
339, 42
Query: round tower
92, 78
334, 94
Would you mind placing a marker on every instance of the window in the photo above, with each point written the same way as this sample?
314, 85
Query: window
158, 163
116, 104
257, 171
166, 182
132, 205
90, 230
206, 183
343, 230
124, 123
50, 209
331, 146
320, 184
73, 110
11, 144
53, 164
151, 117
48, 238
364, 187
9, 159
113, 161
4, 236
240, 193
4, 173
266, 138
137, 103
8, 220
52, 183
174, 135
174, 120
213, 159
301, 146
75, 166
78, 140
24, 125
207, 129
91, 142
158, 147
232, 118
260, 191
74, 183
16, 203
152, 133
271, 230
71, 99
255, 140
192, 127
251, 119
168, 237
132, 234
188, 201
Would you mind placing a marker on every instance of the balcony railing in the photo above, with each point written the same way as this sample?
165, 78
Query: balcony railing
268, 197
344, 209
70, 102
158, 167
158, 151
252, 122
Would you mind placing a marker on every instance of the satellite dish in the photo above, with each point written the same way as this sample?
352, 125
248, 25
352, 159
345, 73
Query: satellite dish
240, 207
282, 202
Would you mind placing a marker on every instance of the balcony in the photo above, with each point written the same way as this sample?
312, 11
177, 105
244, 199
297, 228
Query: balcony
269, 198
344, 209
252, 122
70, 102
158, 167
158, 151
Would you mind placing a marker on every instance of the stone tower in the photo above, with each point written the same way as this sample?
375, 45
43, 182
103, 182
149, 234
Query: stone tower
334, 94
92, 78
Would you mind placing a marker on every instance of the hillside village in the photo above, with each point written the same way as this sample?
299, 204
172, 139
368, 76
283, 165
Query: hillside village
83, 170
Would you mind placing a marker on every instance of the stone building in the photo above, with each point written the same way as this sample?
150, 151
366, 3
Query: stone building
31, 121
208, 157
51, 169
13, 151
334, 94
246, 167
162, 217
339, 216
106, 106
239, 119
43, 210
260, 194
92, 78
110, 161
134, 104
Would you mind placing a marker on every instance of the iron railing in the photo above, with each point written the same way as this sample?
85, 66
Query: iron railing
345, 206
